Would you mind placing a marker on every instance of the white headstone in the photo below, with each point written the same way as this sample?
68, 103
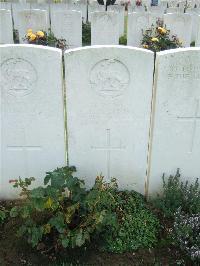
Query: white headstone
120, 10
42, 6
182, 4
172, 10
108, 112
153, 18
68, 25
180, 25
81, 6
139, 9
42, 1
137, 24
176, 126
194, 17
58, 7
16, 9
6, 27
163, 4
156, 9
173, 3
131, 8
34, 19
197, 10
146, 3
32, 128
94, 7
197, 40
104, 28
5, 5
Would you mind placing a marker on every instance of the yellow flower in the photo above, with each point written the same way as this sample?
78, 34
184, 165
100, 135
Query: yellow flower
49, 203
29, 30
47, 228
145, 46
154, 40
180, 42
162, 30
29, 34
40, 34
32, 37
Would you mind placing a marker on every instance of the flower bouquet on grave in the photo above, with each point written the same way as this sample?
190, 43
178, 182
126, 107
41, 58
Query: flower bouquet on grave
158, 38
43, 38
138, 2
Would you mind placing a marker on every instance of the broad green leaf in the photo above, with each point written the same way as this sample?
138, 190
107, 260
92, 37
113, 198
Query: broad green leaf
65, 242
37, 192
14, 212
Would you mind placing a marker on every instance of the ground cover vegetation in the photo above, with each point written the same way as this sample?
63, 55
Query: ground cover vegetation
63, 222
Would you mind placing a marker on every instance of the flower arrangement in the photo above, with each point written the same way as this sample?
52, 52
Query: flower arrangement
43, 38
158, 38
138, 2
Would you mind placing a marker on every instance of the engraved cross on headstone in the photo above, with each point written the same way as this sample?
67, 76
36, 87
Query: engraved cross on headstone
194, 118
108, 148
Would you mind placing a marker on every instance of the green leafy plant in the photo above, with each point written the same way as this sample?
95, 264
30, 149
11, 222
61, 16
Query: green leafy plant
64, 213
3, 215
137, 225
123, 40
186, 233
178, 194
158, 38
86, 33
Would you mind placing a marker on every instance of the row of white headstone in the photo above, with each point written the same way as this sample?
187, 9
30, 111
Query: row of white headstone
160, 9
185, 26
106, 26
79, 5
65, 21
119, 122
167, 3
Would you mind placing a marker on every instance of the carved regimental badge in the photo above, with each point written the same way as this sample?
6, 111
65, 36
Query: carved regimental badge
109, 77
19, 77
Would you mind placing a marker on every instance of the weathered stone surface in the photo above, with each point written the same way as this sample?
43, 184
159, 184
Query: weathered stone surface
137, 22
108, 112
180, 25
68, 25
5, 5
120, 10
42, 6
176, 124
6, 28
197, 39
16, 8
104, 28
32, 127
81, 6
94, 7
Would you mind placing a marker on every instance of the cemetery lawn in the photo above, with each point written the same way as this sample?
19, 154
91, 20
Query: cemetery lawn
15, 251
